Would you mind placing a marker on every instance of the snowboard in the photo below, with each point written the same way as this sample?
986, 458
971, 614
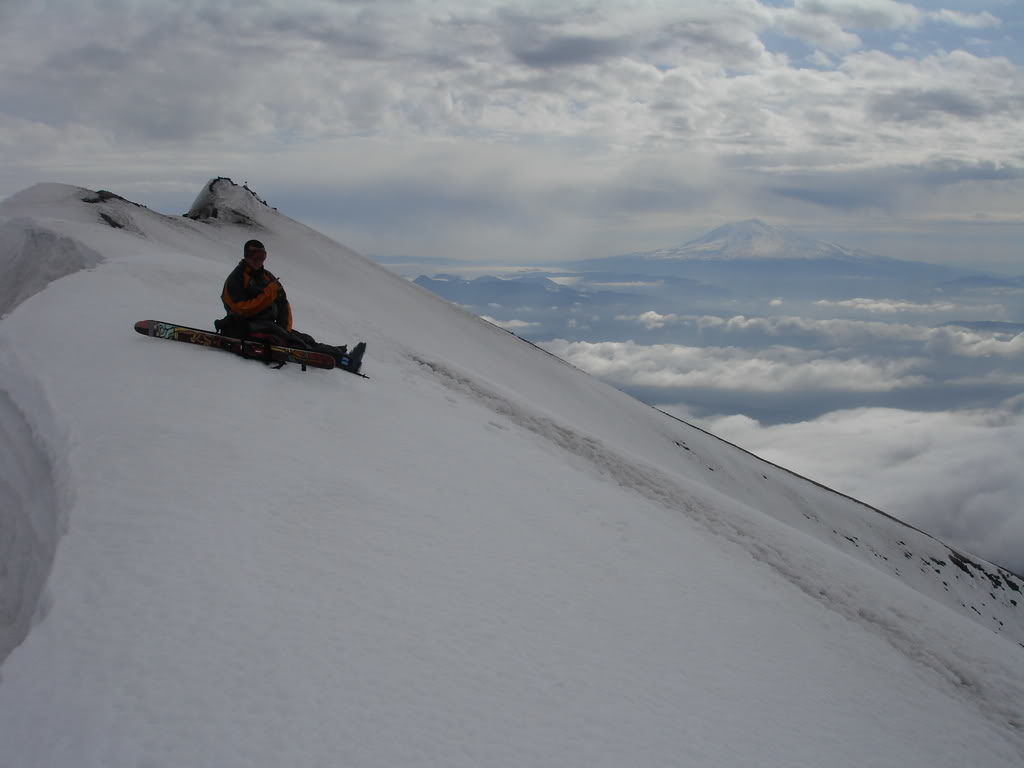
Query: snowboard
257, 350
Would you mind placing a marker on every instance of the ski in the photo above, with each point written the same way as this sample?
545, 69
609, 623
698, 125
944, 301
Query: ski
249, 348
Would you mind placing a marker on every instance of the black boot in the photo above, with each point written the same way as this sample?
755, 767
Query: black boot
354, 361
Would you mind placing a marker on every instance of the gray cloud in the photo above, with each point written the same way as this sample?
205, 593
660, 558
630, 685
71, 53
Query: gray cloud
475, 59
571, 50
896, 186
727, 35
912, 105
655, 117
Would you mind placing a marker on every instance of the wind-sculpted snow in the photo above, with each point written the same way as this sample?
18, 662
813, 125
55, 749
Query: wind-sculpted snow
31, 504
32, 257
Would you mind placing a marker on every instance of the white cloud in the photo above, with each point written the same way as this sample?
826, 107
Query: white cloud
510, 325
954, 474
966, 343
774, 369
890, 306
967, 20
863, 14
651, 319
819, 31
944, 340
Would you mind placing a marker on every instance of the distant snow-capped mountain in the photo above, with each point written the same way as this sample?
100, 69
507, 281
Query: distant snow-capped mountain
751, 257
753, 239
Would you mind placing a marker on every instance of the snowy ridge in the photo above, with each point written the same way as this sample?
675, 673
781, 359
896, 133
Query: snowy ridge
480, 557
33, 257
764, 542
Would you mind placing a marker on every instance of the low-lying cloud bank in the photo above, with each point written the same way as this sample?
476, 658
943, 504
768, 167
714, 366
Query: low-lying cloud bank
952, 339
955, 474
772, 369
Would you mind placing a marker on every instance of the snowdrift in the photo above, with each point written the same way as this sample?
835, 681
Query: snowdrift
482, 556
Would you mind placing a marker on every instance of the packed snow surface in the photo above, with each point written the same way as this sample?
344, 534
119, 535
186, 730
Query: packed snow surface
478, 557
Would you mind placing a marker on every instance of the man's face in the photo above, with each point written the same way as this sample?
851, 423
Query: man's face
255, 257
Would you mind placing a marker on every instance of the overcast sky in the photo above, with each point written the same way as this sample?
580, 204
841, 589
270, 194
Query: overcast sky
532, 131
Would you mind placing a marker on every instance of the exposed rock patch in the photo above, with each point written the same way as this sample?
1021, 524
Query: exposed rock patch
223, 200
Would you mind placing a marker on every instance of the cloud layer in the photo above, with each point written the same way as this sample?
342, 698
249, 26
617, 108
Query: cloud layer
639, 76
955, 474
948, 340
772, 369
635, 120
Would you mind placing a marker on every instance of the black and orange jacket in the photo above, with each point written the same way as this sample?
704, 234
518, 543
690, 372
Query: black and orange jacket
255, 294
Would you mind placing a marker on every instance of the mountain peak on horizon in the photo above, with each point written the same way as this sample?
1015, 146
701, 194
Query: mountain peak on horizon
750, 236
745, 225
752, 239
222, 198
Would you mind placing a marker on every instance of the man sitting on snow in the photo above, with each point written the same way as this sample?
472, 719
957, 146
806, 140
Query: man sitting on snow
258, 307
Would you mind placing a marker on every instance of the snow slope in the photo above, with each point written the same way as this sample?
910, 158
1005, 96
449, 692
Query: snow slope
479, 557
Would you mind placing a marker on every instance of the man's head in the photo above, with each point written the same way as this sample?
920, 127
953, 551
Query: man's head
254, 253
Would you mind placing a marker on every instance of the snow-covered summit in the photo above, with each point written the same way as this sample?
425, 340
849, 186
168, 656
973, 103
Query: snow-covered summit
753, 239
221, 198
479, 557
